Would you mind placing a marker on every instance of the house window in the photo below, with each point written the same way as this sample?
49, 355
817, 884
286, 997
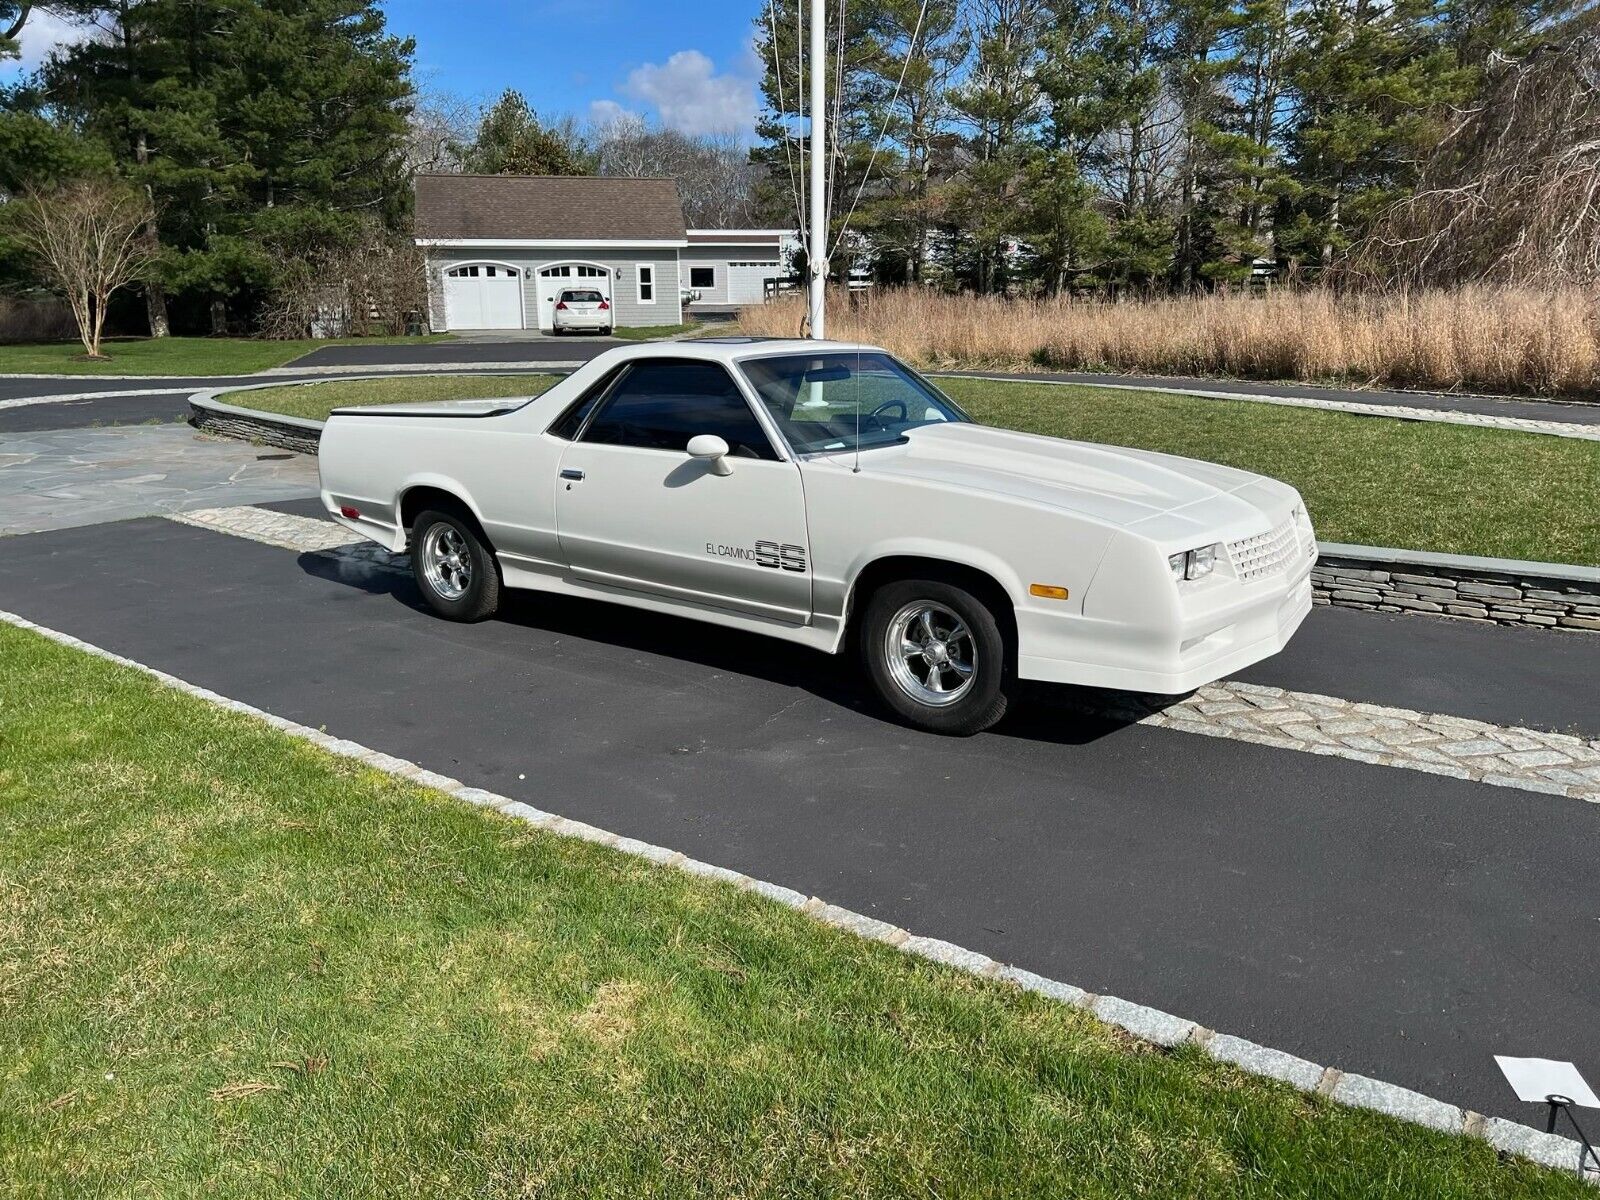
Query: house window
647, 283
702, 277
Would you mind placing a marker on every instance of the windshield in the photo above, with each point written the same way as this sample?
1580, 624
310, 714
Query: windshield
824, 402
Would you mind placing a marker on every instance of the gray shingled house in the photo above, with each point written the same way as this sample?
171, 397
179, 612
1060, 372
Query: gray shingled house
500, 247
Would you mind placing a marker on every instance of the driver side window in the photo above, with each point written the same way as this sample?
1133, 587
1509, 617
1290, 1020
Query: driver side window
661, 405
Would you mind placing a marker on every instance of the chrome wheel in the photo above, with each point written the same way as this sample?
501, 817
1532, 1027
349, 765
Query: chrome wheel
446, 561
931, 653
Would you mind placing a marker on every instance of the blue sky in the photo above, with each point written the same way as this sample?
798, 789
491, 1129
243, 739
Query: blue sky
684, 63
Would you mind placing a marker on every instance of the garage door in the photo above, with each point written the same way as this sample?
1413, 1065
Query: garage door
564, 275
483, 296
747, 281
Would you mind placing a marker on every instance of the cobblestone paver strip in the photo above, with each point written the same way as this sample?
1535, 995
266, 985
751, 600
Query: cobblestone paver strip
284, 530
1557, 764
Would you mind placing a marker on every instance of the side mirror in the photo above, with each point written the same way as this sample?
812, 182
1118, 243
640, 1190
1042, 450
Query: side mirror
713, 451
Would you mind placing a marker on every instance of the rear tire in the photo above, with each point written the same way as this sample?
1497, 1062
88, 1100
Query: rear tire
936, 656
454, 567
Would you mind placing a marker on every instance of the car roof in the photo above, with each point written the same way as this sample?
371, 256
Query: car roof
731, 349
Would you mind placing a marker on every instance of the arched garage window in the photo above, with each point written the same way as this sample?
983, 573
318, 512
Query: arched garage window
483, 271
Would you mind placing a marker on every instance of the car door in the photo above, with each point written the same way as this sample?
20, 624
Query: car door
634, 510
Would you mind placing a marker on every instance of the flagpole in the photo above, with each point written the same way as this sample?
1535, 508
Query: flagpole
818, 257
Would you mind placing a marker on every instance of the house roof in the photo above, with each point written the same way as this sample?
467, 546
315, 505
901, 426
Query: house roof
738, 237
547, 207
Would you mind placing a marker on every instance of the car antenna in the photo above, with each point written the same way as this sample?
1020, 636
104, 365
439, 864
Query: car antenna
856, 470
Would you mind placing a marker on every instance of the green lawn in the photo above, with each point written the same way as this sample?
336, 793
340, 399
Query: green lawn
316, 400
237, 967
176, 355
1369, 480
645, 333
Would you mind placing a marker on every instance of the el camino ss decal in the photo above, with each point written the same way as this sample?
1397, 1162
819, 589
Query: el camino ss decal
766, 554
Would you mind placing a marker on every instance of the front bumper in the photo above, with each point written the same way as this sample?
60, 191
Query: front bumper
1067, 649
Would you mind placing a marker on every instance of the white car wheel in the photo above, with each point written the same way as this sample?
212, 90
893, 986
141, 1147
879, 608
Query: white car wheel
936, 655
454, 568
931, 653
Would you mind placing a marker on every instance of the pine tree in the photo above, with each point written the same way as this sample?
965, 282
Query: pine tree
511, 140
856, 95
999, 101
258, 130
1371, 79
923, 49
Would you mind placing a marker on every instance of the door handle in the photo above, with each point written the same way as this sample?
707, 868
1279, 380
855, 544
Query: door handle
571, 473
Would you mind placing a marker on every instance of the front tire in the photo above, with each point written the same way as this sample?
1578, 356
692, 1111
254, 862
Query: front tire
936, 656
454, 567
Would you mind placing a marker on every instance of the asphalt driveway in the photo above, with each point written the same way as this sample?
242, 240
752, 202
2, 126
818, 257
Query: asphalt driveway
1393, 923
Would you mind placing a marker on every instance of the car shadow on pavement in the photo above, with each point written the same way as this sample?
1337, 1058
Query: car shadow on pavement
1040, 713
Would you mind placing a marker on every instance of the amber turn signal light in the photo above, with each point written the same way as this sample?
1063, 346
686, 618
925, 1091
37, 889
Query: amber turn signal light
1047, 591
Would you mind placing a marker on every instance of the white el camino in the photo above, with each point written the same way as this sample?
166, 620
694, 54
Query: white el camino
826, 494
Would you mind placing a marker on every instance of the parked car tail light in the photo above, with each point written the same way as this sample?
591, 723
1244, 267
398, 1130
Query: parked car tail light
561, 306
604, 306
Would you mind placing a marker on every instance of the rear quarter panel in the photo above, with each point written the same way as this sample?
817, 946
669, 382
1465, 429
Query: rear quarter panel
501, 471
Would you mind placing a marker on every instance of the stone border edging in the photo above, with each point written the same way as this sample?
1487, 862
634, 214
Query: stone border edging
1399, 412
1148, 1024
210, 415
1498, 591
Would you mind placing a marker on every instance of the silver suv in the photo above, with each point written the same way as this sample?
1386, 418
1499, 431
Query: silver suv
582, 309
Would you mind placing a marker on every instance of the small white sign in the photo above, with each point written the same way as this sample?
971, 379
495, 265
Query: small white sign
1535, 1078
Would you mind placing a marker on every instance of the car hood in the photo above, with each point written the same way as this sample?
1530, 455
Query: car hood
1163, 493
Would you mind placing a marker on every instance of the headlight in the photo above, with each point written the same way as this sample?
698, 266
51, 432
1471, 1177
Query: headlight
1194, 564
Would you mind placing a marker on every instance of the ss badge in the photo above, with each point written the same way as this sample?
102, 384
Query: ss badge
781, 557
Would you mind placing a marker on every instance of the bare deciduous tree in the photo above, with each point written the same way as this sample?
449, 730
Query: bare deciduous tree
1512, 195
375, 285
439, 133
716, 180
87, 235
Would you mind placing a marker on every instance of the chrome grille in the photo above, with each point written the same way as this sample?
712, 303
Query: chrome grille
1264, 554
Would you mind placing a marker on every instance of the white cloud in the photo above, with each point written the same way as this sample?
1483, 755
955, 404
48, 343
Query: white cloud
44, 33
605, 113
690, 96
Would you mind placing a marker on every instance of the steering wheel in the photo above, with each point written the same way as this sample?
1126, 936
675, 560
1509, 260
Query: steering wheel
878, 413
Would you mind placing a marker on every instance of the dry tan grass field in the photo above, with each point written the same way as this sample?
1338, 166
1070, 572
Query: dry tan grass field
1475, 339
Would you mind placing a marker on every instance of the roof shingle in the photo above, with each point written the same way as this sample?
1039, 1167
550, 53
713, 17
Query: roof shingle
567, 207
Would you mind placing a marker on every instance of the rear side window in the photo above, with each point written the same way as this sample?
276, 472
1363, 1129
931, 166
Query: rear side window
661, 405
567, 425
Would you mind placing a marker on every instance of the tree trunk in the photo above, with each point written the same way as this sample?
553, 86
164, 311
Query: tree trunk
155, 296
219, 318
155, 307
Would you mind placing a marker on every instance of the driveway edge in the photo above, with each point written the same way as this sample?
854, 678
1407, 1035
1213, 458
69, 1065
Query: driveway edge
1148, 1024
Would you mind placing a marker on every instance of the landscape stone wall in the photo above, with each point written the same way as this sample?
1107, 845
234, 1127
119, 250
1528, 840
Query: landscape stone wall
263, 430
1502, 594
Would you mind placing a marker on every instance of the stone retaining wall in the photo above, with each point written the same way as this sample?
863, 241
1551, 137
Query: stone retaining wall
260, 429
1498, 591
